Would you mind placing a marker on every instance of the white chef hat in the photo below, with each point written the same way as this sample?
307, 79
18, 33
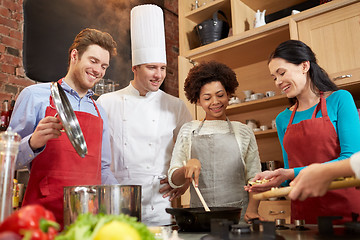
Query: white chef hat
147, 35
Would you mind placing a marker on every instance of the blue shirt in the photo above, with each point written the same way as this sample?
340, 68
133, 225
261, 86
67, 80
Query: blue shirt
343, 115
30, 108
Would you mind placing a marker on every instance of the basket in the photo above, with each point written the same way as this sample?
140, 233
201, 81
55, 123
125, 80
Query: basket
212, 30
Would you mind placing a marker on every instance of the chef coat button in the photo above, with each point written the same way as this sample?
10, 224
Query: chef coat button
124, 120
150, 144
148, 167
126, 167
125, 144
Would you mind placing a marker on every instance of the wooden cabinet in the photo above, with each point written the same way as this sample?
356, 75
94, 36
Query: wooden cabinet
332, 30
334, 36
272, 210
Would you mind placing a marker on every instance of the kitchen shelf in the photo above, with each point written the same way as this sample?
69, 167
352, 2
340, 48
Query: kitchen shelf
266, 134
255, 105
254, 45
271, 6
205, 12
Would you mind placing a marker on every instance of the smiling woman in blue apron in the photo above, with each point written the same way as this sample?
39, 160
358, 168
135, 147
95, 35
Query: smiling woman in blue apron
321, 126
222, 155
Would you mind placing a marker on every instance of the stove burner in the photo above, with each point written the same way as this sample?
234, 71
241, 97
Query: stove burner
299, 225
325, 225
240, 229
354, 226
280, 224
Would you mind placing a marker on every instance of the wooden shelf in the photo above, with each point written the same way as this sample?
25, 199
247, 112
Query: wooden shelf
205, 12
266, 133
257, 104
271, 6
247, 48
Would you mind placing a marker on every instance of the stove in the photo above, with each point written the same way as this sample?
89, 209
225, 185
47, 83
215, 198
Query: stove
278, 230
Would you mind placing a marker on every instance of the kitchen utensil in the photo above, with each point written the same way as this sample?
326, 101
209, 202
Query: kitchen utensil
214, 29
107, 199
264, 127
198, 220
199, 194
68, 119
252, 123
270, 94
248, 93
282, 192
273, 124
272, 165
9, 147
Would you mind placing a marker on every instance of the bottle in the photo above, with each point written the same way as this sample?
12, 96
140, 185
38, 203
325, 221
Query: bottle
11, 108
4, 116
9, 148
15, 195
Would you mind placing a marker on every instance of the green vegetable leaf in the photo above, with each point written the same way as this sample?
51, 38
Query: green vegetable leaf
87, 225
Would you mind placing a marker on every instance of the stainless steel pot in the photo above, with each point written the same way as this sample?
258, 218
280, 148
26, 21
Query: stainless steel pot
108, 199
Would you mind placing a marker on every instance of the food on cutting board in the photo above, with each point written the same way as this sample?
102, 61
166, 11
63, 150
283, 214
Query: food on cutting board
101, 226
31, 222
259, 181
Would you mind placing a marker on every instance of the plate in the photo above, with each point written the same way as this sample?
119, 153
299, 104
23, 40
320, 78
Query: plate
68, 119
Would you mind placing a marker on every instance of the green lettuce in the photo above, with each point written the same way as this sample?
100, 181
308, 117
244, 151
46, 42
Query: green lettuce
87, 225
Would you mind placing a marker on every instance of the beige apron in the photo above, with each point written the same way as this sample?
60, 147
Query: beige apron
222, 174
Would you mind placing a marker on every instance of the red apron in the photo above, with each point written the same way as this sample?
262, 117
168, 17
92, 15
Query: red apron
315, 141
59, 164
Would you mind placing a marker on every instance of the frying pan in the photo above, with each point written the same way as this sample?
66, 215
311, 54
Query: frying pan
199, 220
68, 119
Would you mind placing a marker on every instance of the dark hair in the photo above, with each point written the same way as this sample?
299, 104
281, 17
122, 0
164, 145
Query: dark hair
89, 37
297, 52
207, 72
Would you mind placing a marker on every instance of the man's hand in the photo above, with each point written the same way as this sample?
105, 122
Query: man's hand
48, 128
172, 192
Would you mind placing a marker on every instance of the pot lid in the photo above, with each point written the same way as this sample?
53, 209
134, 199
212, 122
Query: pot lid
68, 119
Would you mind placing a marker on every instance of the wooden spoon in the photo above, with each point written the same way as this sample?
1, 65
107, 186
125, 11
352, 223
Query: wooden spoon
207, 209
284, 191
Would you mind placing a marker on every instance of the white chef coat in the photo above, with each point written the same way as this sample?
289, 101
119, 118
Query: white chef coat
142, 131
355, 164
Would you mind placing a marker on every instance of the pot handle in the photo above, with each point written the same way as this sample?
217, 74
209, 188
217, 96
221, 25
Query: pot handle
215, 15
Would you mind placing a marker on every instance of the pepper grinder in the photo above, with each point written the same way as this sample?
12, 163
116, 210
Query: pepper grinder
9, 147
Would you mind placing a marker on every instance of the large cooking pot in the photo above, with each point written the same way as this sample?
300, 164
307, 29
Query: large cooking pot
199, 220
108, 199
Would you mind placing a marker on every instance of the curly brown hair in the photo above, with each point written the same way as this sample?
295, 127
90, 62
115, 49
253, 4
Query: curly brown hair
207, 72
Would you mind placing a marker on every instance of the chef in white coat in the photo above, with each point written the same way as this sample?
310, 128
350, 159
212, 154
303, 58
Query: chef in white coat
144, 121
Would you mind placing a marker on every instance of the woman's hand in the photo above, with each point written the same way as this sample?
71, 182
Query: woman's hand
170, 192
312, 181
193, 168
275, 178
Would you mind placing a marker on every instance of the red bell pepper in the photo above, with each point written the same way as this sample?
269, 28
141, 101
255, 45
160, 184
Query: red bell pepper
32, 221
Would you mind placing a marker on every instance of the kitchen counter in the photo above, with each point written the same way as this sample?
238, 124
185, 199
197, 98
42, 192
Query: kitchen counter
288, 234
191, 236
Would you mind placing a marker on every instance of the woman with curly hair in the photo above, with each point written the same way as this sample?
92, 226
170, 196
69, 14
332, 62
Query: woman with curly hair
220, 155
